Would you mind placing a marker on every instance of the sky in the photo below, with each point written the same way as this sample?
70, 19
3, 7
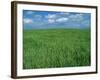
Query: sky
49, 20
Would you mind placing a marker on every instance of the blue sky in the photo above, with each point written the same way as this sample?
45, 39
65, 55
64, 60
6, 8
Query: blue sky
49, 20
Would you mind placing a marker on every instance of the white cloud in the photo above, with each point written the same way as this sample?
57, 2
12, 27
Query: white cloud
58, 17
64, 13
51, 16
63, 19
27, 20
76, 17
30, 12
51, 20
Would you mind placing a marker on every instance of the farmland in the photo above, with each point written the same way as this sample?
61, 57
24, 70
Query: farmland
52, 48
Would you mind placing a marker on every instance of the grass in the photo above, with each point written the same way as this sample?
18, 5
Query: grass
54, 48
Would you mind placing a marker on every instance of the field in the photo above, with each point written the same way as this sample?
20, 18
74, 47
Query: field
52, 48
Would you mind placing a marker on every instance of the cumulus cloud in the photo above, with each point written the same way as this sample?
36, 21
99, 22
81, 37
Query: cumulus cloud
49, 16
63, 19
51, 20
27, 20
56, 19
29, 12
64, 13
76, 17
